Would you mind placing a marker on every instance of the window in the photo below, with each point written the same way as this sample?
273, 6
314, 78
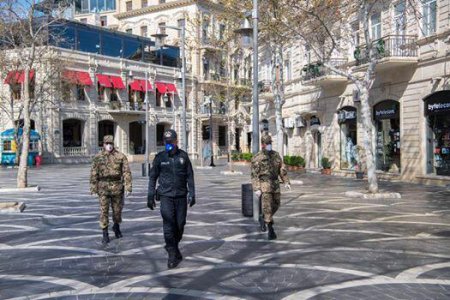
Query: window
81, 96
100, 92
110, 5
158, 98
162, 27
429, 17
129, 5
144, 31
84, 6
168, 100
162, 1
144, 3
180, 25
16, 91
375, 26
113, 96
222, 136
129, 31
103, 21
7, 146
205, 132
355, 34
400, 18
287, 67
205, 29
83, 20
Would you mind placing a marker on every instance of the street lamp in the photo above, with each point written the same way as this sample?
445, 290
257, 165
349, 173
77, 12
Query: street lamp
159, 37
246, 32
209, 102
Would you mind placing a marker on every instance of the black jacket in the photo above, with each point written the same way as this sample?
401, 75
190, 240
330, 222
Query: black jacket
174, 174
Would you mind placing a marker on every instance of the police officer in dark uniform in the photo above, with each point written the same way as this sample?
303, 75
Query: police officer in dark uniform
176, 190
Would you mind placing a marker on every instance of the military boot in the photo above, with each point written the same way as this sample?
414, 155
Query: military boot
116, 229
271, 234
105, 239
178, 253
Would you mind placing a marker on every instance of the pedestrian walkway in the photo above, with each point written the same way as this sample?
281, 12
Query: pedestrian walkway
328, 246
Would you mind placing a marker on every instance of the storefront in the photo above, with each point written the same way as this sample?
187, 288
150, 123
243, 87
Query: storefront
316, 151
386, 116
437, 112
348, 137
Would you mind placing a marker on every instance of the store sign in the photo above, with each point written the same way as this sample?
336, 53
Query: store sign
386, 110
434, 107
344, 115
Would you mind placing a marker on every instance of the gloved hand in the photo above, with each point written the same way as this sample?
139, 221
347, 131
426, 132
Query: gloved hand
287, 186
191, 201
127, 194
151, 203
258, 193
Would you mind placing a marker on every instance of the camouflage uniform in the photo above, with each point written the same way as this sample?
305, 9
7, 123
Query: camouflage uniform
110, 177
267, 168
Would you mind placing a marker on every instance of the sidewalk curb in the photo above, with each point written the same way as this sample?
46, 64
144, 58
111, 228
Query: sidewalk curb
22, 190
231, 173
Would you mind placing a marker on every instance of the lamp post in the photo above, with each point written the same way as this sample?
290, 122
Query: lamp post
246, 32
211, 132
160, 39
147, 132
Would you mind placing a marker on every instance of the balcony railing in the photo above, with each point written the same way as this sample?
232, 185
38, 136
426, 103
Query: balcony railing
389, 46
215, 77
74, 151
317, 69
204, 110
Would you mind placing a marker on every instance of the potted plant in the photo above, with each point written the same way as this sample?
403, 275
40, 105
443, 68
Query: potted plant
326, 166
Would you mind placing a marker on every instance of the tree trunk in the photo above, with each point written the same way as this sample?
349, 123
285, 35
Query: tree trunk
22, 175
278, 91
367, 139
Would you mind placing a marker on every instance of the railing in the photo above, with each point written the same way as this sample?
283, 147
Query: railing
215, 77
204, 110
74, 151
317, 69
389, 46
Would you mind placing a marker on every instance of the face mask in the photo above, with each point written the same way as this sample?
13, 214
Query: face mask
109, 147
169, 147
269, 147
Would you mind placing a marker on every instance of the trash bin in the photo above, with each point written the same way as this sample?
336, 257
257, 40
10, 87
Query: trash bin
247, 200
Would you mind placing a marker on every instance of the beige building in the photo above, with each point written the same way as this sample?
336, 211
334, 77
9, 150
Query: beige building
214, 74
410, 98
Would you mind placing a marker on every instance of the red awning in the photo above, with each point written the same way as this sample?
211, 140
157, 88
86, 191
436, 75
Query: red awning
161, 87
104, 80
136, 86
149, 86
15, 77
117, 82
171, 88
77, 77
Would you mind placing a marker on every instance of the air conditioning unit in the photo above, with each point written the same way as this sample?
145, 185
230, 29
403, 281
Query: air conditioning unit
289, 123
299, 122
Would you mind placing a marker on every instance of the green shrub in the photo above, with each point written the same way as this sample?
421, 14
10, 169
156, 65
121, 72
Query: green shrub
326, 164
247, 156
287, 160
296, 161
235, 156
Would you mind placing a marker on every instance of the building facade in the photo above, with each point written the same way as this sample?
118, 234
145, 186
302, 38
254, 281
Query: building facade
410, 98
99, 90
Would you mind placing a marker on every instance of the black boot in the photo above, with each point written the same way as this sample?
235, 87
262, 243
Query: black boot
105, 239
271, 234
262, 224
116, 229
173, 260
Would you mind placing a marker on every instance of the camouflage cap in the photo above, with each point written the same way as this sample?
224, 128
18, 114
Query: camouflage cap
108, 139
266, 139
170, 135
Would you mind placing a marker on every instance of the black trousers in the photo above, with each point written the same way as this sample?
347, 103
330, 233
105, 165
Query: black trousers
173, 212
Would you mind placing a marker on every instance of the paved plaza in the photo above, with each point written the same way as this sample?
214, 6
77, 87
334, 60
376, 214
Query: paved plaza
328, 246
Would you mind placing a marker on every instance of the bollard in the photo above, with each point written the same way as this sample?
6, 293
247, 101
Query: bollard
247, 200
144, 171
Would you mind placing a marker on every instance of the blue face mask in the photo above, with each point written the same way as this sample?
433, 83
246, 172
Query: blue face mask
169, 147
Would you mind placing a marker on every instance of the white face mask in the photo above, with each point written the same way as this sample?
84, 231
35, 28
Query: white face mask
269, 147
109, 147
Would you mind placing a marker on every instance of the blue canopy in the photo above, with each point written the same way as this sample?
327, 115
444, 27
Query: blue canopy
9, 134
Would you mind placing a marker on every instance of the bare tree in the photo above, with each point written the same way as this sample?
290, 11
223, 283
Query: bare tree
24, 44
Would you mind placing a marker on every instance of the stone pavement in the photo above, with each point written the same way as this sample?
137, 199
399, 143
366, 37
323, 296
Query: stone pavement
329, 247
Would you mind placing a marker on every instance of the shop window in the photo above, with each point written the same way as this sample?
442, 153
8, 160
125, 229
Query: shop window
222, 136
348, 137
387, 121
113, 96
81, 96
7, 146
437, 110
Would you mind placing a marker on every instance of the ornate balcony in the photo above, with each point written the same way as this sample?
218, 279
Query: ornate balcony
75, 151
391, 51
317, 74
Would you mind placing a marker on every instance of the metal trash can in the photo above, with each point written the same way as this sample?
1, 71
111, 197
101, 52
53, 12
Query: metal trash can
247, 200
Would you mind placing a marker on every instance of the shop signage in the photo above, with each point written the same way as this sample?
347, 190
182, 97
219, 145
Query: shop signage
345, 115
439, 106
314, 121
386, 110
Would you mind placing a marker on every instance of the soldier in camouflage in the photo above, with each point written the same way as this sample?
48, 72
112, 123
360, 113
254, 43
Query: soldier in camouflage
267, 169
110, 178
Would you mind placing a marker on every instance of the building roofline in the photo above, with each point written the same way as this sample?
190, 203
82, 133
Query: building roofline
166, 6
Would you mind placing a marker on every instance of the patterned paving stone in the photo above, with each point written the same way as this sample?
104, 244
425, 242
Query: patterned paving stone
329, 246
